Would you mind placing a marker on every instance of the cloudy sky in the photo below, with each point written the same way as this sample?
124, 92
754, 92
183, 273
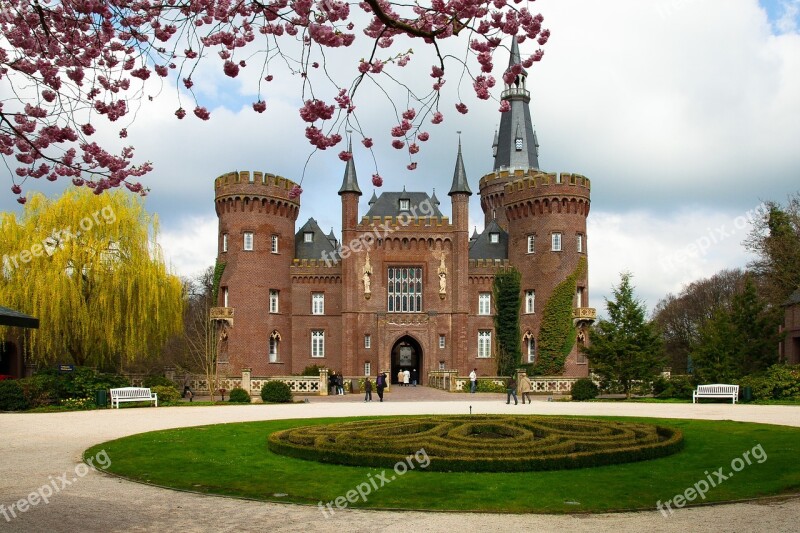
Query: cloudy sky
684, 113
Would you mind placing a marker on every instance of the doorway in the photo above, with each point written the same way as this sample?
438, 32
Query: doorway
407, 355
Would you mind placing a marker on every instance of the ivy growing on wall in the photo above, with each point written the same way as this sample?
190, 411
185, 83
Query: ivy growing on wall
219, 268
557, 332
506, 320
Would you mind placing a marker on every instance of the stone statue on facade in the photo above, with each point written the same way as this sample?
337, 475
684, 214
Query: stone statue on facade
442, 278
366, 276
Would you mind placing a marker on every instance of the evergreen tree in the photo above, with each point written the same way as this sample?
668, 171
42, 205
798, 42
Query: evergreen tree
625, 347
738, 341
506, 320
89, 268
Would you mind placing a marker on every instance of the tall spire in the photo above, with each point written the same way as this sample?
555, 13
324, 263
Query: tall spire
350, 181
517, 146
460, 184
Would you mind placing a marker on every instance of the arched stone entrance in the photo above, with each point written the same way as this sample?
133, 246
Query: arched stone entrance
407, 355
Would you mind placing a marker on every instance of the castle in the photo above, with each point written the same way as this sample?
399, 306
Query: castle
405, 288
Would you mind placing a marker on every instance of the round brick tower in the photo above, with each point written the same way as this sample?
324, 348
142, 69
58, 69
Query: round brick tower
256, 243
543, 213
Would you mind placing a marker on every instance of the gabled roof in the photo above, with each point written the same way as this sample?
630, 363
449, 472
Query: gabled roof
388, 205
484, 248
320, 245
9, 317
794, 299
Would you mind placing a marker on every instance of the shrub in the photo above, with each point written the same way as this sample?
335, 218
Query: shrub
484, 385
42, 389
82, 382
312, 370
239, 395
12, 398
779, 382
166, 393
276, 392
157, 381
677, 386
584, 389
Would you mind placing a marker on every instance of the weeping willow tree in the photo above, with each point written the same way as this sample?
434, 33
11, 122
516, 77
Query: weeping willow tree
89, 267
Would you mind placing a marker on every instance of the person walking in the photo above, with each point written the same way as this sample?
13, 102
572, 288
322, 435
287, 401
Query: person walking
400, 377
511, 390
406, 378
473, 380
525, 388
340, 384
380, 384
367, 390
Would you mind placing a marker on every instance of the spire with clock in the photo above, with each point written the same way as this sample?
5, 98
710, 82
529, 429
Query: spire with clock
515, 144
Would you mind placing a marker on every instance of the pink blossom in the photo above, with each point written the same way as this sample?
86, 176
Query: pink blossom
269, 77
505, 106
87, 129
260, 106
231, 69
377, 180
462, 108
180, 113
398, 144
187, 82
295, 192
314, 110
202, 113
436, 72
413, 148
409, 114
22, 200
423, 136
344, 155
412, 165
123, 133
437, 118
367, 141
16, 189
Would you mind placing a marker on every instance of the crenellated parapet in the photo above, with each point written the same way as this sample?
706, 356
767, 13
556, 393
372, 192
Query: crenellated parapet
487, 266
255, 191
532, 192
401, 222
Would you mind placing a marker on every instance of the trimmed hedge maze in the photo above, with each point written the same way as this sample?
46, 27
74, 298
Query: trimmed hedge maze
479, 443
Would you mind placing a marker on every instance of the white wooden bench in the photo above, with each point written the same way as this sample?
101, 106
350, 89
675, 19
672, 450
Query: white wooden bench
132, 394
716, 391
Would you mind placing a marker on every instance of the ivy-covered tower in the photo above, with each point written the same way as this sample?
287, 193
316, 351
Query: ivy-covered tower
544, 217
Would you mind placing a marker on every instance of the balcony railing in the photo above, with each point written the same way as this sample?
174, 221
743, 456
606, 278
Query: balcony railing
221, 313
584, 313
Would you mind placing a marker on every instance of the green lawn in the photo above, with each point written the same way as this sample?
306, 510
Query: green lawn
233, 459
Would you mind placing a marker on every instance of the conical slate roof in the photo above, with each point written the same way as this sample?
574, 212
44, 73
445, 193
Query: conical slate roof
350, 180
460, 185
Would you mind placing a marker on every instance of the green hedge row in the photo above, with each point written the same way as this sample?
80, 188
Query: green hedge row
480, 444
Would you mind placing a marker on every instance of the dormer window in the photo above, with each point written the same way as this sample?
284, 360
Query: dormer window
518, 144
405, 205
494, 238
308, 236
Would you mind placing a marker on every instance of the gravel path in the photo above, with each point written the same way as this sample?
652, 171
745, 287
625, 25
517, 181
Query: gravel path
44, 449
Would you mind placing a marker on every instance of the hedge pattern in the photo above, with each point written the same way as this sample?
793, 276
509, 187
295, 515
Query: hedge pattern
479, 443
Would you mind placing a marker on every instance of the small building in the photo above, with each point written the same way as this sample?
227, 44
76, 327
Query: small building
11, 357
790, 346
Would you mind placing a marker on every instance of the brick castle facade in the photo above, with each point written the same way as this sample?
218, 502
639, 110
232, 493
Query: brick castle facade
406, 287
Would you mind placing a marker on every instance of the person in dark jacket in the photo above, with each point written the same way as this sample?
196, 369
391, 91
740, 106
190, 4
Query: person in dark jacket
380, 384
367, 390
511, 390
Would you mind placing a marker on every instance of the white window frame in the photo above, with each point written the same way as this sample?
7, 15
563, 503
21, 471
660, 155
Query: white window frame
494, 238
442, 342
308, 236
531, 244
367, 341
317, 343
442, 365
405, 205
405, 289
224, 242
225, 297
530, 301
274, 244
248, 240
530, 345
580, 242
367, 368
273, 349
555, 242
274, 301
579, 297
484, 303
484, 344
317, 303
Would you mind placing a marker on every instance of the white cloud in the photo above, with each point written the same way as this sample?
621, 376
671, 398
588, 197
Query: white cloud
190, 245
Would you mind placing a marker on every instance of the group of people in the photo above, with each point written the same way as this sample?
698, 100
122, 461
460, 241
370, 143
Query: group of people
404, 378
525, 387
380, 385
335, 383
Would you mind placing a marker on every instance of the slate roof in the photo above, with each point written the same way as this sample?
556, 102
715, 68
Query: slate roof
9, 317
320, 242
388, 205
350, 180
483, 248
460, 183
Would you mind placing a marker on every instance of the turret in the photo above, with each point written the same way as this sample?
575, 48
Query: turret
256, 244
